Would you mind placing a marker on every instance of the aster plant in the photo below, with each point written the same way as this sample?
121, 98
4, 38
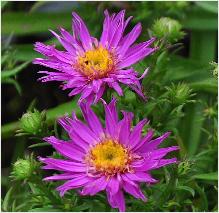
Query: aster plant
115, 158
87, 65
98, 166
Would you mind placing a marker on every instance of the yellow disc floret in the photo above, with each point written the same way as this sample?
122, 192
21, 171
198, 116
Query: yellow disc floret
96, 63
109, 157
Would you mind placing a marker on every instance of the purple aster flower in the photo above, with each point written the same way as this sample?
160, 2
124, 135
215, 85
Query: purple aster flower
115, 158
87, 65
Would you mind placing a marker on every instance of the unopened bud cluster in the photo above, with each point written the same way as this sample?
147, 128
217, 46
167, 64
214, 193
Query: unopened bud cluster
168, 29
32, 123
210, 112
184, 167
23, 169
179, 94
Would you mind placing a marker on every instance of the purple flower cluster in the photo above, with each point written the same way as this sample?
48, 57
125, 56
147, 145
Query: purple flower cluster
114, 157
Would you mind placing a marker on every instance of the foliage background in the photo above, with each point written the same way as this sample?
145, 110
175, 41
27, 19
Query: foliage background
190, 186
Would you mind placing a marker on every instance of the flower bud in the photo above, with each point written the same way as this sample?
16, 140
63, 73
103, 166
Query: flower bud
210, 112
32, 123
168, 29
24, 168
179, 94
184, 167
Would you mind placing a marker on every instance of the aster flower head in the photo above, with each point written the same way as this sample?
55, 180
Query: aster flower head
87, 65
113, 157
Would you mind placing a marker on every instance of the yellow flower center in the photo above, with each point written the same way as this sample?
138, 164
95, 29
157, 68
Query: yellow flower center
109, 157
96, 63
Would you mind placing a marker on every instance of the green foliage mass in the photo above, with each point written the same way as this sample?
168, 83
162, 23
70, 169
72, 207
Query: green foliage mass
181, 90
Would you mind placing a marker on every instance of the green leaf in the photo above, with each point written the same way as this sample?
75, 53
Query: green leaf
14, 82
37, 5
8, 73
207, 176
45, 209
6, 202
13, 206
20, 207
4, 58
203, 198
82, 207
195, 73
207, 85
27, 23
32, 105
38, 145
186, 188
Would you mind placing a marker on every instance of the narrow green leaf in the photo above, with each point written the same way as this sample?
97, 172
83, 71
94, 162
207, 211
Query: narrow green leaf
203, 198
207, 176
186, 188
32, 105
27, 23
4, 58
37, 5
82, 207
188, 70
6, 202
38, 145
45, 209
207, 85
14, 82
13, 206
8, 73
19, 207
